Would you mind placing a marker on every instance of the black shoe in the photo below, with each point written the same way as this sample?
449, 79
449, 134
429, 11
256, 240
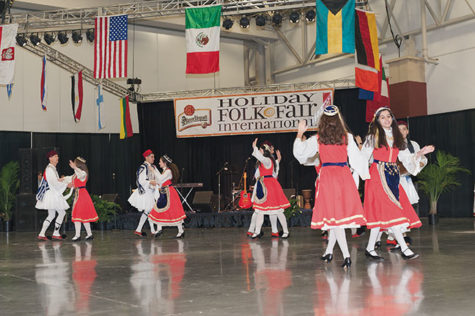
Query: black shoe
373, 257
395, 248
377, 245
346, 265
158, 234
257, 236
408, 240
76, 239
409, 257
90, 237
327, 258
140, 234
182, 235
360, 231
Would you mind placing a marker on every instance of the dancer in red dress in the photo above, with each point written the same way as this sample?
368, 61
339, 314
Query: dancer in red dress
168, 210
268, 197
337, 202
386, 204
83, 208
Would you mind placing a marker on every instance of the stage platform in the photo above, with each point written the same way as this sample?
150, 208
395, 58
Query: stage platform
218, 272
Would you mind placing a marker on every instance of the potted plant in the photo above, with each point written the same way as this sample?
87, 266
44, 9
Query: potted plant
9, 183
293, 209
439, 177
105, 210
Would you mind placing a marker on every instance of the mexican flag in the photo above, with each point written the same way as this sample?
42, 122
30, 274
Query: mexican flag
202, 39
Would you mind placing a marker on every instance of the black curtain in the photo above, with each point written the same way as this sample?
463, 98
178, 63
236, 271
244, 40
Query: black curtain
201, 158
112, 162
452, 132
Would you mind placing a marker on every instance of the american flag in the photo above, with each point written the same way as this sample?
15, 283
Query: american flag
110, 48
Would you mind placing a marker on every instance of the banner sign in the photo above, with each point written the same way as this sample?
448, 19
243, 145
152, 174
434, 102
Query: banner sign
272, 112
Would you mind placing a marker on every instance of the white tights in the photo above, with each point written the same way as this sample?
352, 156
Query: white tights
50, 218
337, 234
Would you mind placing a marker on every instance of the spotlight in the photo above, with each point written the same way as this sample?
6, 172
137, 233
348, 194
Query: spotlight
260, 20
244, 22
277, 19
63, 37
310, 16
35, 39
294, 17
228, 23
90, 35
49, 38
77, 37
21, 40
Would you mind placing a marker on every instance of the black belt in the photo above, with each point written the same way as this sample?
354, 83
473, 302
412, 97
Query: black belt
83, 187
339, 164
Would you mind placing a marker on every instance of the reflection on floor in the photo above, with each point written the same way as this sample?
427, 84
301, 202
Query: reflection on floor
221, 272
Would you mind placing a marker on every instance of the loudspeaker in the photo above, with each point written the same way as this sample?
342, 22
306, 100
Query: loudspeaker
289, 193
205, 202
26, 215
26, 170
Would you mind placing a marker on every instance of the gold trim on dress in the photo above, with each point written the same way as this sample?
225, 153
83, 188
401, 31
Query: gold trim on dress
166, 191
381, 166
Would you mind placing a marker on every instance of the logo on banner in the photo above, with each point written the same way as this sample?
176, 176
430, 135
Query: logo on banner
8, 54
191, 117
202, 39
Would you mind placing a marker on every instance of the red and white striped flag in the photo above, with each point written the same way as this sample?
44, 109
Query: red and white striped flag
76, 95
110, 47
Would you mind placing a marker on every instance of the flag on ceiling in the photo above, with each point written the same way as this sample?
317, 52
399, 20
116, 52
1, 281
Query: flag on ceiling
367, 51
125, 122
110, 46
43, 84
202, 39
99, 104
335, 26
76, 95
7, 50
9, 90
381, 97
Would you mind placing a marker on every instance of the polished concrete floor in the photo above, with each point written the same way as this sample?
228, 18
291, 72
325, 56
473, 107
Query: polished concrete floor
221, 272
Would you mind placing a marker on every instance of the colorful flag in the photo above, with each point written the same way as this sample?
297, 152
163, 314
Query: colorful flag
43, 84
381, 97
365, 94
367, 51
7, 51
125, 123
99, 103
9, 90
202, 39
110, 47
335, 26
76, 95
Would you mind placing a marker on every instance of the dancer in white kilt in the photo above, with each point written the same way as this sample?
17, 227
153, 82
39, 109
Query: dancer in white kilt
143, 199
50, 197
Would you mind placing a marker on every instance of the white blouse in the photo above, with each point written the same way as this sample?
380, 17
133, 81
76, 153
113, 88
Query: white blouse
164, 176
52, 178
411, 162
267, 162
306, 153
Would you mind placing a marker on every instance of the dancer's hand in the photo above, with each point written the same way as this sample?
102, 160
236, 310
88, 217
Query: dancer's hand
70, 185
72, 164
359, 142
279, 156
254, 143
302, 128
426, 150
153, 182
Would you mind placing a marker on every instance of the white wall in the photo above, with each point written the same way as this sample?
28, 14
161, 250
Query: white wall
159, 60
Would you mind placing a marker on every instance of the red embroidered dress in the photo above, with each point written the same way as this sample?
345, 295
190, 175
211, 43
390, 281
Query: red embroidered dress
337, 201
168, 208
83, 208
386, 203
